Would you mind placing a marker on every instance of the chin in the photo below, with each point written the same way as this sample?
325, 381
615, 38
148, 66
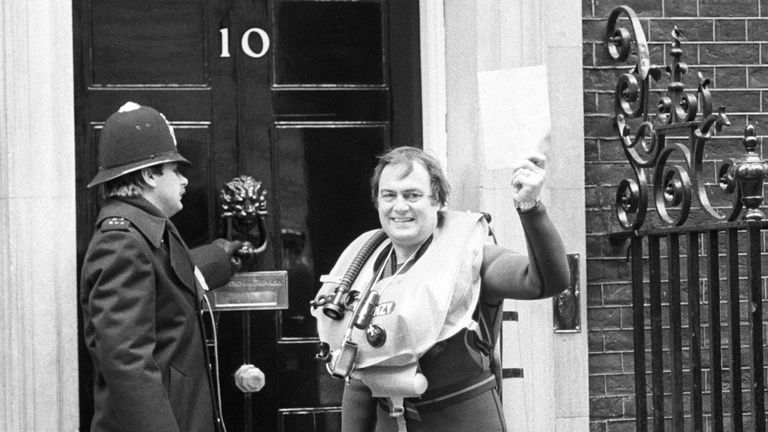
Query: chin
404, 239
397, 232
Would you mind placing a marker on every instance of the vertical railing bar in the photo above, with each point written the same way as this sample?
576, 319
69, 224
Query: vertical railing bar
694, 323
734, 323
675, 324
715, 361
756, 327
657, 359
247, 396
638, 331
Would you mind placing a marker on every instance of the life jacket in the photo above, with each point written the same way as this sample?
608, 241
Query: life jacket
433, 301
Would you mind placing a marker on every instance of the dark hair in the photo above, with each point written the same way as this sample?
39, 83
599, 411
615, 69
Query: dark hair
129, 185
407, 156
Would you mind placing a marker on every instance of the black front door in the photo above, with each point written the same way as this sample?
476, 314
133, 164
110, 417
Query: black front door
302, 96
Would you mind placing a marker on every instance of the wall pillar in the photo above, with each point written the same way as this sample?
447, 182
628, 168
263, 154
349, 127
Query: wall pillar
433, 104
38, 315
488, 35
561, 22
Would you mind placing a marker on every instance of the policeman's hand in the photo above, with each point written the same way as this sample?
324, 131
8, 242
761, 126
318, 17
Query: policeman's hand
249, 378
231, 247
528, 178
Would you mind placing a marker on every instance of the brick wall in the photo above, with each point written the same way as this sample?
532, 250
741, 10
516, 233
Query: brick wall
725, 40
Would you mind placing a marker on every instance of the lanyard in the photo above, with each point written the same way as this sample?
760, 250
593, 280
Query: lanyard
363, 306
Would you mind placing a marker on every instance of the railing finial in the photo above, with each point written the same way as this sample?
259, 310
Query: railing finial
750, 173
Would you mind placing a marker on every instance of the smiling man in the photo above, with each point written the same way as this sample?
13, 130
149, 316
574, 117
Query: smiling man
407, 209
420, 320
141, 288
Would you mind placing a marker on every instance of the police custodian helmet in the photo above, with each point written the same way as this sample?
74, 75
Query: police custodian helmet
133, 138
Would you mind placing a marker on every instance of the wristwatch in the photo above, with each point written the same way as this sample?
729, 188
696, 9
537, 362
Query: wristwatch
527, 206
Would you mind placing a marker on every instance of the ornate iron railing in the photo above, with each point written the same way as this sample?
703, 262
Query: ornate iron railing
669, 172
677, 174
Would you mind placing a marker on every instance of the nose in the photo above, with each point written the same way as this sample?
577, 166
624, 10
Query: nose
400, 203
249, 206
184, 181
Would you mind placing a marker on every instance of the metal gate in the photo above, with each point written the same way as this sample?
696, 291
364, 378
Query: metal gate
696, 253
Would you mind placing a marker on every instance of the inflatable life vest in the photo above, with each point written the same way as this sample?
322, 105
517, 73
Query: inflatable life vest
432, 301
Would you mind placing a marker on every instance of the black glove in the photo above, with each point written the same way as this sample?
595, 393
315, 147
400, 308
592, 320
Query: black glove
231, 248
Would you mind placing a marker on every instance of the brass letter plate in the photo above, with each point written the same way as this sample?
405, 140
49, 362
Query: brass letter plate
261, 290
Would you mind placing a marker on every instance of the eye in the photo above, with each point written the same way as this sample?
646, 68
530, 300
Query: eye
412, 196
387, 196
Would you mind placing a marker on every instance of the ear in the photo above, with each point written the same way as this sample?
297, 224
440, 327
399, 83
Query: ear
149, 177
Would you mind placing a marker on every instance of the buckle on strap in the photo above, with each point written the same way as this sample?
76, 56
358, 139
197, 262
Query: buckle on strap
396, 408
409, 411
397, 411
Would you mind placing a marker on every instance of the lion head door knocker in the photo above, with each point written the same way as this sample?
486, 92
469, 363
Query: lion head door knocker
244, 207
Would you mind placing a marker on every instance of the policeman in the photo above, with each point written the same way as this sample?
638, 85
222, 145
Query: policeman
141, 287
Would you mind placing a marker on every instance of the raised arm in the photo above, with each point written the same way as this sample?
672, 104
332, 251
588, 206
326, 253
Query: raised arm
543, 273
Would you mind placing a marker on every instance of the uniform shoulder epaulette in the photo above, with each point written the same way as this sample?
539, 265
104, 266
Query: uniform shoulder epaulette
115, 224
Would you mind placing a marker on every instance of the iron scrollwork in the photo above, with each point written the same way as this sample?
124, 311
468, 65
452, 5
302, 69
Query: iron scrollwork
673, 171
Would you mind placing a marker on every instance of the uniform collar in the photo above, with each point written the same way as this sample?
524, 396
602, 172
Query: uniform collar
147, 218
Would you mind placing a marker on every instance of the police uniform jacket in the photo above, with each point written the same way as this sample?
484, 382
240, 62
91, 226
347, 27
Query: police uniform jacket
140, 301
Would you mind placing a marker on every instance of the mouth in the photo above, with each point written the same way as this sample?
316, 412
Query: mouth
402, 220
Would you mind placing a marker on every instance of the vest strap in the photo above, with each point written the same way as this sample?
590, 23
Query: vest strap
401, 425
444, 397
452, 394
397, 411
